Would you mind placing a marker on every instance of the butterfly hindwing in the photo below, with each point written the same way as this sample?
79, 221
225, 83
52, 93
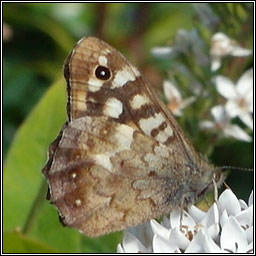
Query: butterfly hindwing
101, 168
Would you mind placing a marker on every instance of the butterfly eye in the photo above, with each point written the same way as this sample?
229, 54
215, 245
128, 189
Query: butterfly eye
102, 73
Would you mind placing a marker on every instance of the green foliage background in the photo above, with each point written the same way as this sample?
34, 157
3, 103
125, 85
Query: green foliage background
34, 100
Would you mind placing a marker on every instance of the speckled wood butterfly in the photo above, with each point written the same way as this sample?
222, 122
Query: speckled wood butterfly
121, 158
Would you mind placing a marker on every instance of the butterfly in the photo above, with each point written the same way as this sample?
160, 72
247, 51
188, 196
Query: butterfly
121, 158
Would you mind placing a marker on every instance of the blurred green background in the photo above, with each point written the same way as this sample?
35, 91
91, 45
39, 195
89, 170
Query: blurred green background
37, 38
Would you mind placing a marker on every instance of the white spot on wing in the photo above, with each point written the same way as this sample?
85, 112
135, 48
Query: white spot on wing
103, 61
73, 175
148, 124
169, 131
113, 108
124, 136
78, 202
162, 136
103, 160
139, 100
94, 84
122, 77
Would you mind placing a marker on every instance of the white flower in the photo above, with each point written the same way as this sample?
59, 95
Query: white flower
239, 96
175, 102
162, 51
221, 46
130, 244
222, 123
226, 227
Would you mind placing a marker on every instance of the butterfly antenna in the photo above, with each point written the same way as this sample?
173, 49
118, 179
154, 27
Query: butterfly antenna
227, 167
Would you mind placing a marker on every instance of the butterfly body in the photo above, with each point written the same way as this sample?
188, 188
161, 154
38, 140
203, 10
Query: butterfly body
121, 158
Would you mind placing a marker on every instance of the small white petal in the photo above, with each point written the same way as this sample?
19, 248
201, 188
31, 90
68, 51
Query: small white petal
232, 108
206, 125
211, 217
197, 244
245, 83
223, 218
211, 220
143, 232
246, 118
171, 92
250, 247
225, 87
161, 245
196, 213
175, 218
238, 51
249, 101
249, 234
215, 62
236, 132
120, 249
233, 234
162, 51
213, 231
159, 229
132, 245
186, 102
229, 202
243, 204
219, 36
245, 218
210, 246
221, 44
250, 201
219, 113
177, 238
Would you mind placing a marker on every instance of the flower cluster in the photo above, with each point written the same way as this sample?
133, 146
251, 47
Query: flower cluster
226, 227
239, 104
222, 46
238, 97
175, 102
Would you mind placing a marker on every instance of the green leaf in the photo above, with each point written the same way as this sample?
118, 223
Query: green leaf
15, 242
27, 155
47, 228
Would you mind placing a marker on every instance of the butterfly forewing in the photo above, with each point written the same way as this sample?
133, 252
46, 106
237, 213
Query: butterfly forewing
121, 158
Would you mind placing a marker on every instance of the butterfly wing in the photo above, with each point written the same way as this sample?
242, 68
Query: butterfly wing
125, 96
106, 176
121, 159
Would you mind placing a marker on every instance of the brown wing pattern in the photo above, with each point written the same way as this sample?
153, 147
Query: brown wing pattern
121, 159
136, 101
